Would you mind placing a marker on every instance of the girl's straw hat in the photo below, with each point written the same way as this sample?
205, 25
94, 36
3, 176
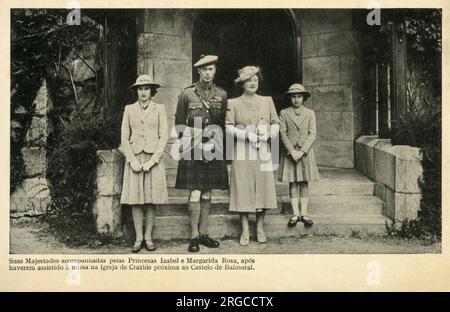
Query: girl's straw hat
298, 88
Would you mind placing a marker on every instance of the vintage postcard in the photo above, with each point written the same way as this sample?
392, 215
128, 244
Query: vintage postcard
203, 146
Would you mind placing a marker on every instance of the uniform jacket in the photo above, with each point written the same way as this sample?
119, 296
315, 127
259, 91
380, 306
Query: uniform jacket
191, 104
297, 130
145, 130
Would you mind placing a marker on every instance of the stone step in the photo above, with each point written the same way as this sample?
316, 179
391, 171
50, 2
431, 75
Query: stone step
334, 181
315, 188
318, 205
228, 226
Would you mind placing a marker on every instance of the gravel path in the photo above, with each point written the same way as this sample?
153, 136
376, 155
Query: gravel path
32, 238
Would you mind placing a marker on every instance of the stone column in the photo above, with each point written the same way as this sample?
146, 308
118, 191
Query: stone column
32, 196
107, 209
329, 63
165, 53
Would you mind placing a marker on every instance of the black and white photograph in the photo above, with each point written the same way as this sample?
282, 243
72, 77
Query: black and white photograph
225, 131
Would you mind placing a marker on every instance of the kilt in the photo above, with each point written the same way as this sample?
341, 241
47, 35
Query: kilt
201, 175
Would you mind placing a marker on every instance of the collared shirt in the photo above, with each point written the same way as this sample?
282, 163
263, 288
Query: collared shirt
297, 110
144, 107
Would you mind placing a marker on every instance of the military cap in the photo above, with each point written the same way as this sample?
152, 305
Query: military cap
206, 60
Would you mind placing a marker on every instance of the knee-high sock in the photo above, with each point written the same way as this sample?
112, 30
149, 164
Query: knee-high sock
194, 210
138, 216
294, 204
205, 207
149, 221
304, 204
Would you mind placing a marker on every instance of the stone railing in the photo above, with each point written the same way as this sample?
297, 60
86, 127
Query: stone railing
397, 170
107, 209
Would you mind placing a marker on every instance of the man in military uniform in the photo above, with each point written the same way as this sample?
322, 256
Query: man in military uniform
205, 102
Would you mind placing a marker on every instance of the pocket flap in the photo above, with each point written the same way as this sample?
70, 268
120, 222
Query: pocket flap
195, 105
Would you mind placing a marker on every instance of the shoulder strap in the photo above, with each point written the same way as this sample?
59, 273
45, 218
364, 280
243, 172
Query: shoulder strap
204, 101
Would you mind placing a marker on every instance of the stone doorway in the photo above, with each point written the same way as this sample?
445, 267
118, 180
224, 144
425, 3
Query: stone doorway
248, 37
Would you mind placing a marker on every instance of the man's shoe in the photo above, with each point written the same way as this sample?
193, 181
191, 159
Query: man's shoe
193, 245
207, 241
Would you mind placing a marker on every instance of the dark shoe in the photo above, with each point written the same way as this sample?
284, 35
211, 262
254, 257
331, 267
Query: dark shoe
306, 221
207, 241
293, 221
137, 246
150, 246
193, 245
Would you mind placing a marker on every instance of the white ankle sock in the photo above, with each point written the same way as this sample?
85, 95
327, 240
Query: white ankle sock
304, 204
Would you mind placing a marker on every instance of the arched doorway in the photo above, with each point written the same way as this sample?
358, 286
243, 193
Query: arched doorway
249, 37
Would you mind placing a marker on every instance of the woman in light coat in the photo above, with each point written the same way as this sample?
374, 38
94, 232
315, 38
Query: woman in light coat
252, 120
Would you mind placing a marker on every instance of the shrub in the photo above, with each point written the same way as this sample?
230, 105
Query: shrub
72, 173
422, 126
43, 46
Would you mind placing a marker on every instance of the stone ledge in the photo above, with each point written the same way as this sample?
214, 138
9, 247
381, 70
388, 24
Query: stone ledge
364, 155
396, 169
109, 172
31, 196
400, 206
108, 214
107, 156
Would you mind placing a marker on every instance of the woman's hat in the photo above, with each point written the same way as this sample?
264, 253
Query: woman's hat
298, 88
144, 80
246, 73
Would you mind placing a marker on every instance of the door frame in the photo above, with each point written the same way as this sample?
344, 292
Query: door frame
296, 32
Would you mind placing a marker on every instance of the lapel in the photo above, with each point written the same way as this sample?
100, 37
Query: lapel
150, 108
297, 119
144, 114
202, 92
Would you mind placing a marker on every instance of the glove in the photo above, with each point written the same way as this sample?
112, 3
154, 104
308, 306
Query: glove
148, 165
252, 137
135, 166
297, 155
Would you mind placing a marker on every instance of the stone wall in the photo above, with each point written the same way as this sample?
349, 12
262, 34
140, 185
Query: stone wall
32, 196
397, 170
329, 61
330, 71
165, 53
